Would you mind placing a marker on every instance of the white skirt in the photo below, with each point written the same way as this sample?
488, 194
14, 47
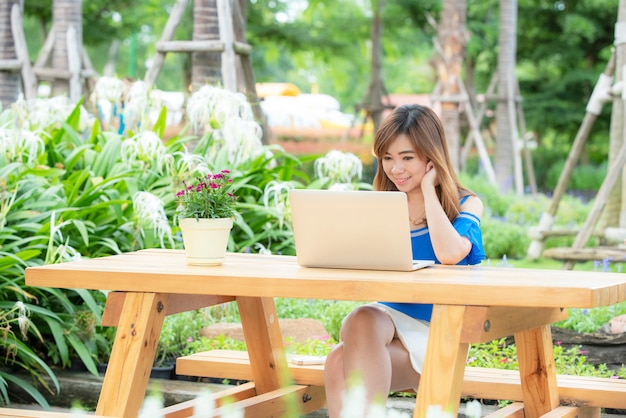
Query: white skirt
413, 333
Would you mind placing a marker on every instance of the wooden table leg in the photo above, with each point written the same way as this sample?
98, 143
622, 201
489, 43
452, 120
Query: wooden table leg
537, 371
444, 365
264, 342
126, 378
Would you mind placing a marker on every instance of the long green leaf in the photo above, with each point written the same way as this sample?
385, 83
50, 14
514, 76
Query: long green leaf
26, 387
161, 123
56, 328
83, 353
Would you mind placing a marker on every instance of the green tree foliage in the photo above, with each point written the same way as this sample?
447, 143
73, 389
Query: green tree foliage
562, 47
106, 20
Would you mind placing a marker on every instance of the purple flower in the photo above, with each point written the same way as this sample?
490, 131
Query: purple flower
209, 198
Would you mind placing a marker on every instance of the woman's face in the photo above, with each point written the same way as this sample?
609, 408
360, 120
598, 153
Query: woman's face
402, 164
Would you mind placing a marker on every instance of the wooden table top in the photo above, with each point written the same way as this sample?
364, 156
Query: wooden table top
165, 271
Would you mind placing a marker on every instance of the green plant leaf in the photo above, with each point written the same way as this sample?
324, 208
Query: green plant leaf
27, 387
83, 353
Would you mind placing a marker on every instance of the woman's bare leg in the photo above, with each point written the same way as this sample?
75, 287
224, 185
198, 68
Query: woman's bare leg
368, 349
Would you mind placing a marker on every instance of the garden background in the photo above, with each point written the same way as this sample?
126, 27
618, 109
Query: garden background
72, 185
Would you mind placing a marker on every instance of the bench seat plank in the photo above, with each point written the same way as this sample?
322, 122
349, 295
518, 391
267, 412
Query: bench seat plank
479, 383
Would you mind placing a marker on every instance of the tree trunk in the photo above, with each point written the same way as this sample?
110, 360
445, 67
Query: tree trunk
452, 39
614, 213
64, 14
505, 110
374, 101
9, 80
205, 66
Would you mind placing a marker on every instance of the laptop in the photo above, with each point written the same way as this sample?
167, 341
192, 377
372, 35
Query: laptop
366, 230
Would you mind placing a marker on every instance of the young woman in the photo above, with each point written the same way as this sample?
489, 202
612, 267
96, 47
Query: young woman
383, 344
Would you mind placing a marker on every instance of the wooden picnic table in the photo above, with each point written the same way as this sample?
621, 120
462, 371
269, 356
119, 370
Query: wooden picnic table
473, 304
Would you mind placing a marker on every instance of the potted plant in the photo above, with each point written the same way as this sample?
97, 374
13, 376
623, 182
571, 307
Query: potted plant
205, 215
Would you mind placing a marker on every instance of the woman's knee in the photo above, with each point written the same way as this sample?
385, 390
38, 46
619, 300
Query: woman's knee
367, 320
334, 356
334, 362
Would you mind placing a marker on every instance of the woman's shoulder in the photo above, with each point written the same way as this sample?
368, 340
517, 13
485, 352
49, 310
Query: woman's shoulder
472, 204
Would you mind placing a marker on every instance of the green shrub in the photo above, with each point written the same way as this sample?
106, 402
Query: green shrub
502, 238
500, 355
584, 176
590, 320
496, 203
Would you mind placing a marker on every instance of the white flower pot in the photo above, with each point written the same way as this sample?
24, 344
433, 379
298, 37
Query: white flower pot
205, 240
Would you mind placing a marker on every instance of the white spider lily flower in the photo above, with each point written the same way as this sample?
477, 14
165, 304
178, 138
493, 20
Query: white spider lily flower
22, 318
201, 107
377, 410
205, 405
151, 407
393, 413
55, 230
244, 108
37, 114
190, 163
209, 107
140, 102
22, 310
110, 89
261, 249
435, 411
276, 196
242, 139
69, 253
339, 166
149, 211
138, 90
342, 186
63, 252
473, 409
148, 148
354, 402
15, 144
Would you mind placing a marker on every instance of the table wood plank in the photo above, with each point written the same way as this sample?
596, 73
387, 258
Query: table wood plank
280, 276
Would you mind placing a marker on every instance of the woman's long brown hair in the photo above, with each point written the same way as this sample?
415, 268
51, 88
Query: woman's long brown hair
424, 128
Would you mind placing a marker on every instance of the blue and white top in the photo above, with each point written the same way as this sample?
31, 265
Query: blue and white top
467, 225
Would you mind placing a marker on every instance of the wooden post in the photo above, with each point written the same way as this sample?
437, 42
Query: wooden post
73, 64
29, 82
229, 63
475, 131
594, 108
168, 34
615, 171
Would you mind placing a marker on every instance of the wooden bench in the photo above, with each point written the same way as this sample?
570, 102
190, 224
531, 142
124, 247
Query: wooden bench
479, 383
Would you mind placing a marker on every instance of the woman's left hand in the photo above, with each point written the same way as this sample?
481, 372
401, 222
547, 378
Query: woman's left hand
430, 177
